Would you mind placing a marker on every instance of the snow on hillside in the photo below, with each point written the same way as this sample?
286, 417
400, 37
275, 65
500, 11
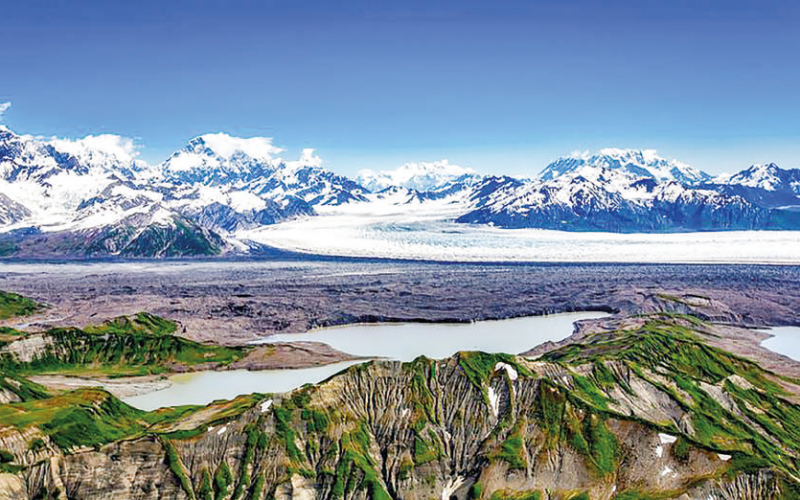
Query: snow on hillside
52, 177
65, 185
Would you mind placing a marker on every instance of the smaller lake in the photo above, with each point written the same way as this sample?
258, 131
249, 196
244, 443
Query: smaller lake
400, 341
201, 388
786, 341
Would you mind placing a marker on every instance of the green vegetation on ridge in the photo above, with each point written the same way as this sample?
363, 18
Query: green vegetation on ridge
85, 417
13, 305
669, 347
126, 346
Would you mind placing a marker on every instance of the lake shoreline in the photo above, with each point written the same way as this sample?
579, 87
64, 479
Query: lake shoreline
233, 303
383, 341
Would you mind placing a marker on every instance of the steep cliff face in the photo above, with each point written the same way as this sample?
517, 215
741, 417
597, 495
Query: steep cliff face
651, 411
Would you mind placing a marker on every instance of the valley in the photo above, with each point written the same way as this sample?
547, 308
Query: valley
459, 250
233, 302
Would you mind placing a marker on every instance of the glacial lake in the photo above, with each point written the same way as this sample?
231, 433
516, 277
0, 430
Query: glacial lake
204, 387
786, 341
406, 341
400, 341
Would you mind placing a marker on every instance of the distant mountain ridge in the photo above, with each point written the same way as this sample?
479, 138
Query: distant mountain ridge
642, 163
93, 197
422, 177
623, 191
769, 177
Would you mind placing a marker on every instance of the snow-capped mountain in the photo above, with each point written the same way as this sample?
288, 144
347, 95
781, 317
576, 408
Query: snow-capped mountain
599, 198
85, 197
92, 196
219, 159
768, 176
625, 191
31, 158
251, 166
422, 176
96, 186
767, 186
639, 163
52, 177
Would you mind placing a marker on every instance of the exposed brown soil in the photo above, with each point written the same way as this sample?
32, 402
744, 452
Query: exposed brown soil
291, 355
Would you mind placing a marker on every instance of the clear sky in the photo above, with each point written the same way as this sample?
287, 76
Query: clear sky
498, 86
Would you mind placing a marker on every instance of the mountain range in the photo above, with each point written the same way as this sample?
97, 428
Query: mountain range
92, 197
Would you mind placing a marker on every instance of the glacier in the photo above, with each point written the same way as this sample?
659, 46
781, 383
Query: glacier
426, 238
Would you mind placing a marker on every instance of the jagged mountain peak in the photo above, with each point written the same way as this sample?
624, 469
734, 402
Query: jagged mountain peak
419, 176
768, 176
5, 131
220, 158
227, 184
227, 146
641, 163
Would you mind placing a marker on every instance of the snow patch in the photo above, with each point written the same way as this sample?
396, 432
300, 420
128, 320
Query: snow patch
266, 405
243, 201
452, 485
666, 438
494, 401
222, 430
723, 457
162, 217
659, 450
512, 372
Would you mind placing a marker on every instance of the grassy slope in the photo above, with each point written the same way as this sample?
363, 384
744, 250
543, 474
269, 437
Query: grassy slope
93, 417
573, 415
139, 345
763, 433
13, 305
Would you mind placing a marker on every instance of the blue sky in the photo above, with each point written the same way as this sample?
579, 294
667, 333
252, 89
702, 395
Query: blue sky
497, 86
